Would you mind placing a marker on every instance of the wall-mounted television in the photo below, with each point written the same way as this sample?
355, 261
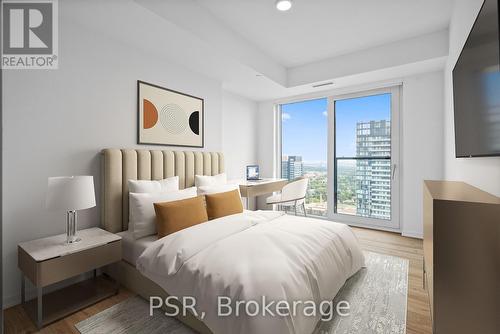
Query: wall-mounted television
476, 88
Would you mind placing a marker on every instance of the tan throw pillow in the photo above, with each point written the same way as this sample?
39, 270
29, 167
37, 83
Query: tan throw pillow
223, 204
178, 215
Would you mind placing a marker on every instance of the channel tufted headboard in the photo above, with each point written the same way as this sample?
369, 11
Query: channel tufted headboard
120, 165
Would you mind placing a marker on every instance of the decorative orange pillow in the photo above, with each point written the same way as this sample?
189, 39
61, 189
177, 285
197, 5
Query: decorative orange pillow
178, 215
223, 204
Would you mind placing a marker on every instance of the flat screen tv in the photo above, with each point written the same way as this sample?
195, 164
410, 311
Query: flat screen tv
476, 88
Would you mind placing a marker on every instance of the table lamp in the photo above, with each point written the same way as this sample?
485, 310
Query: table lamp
70, 193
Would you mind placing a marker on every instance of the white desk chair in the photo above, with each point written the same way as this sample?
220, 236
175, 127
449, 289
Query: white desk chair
293, 194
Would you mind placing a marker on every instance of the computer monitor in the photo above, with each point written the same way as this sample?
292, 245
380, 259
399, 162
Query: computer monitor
253, 172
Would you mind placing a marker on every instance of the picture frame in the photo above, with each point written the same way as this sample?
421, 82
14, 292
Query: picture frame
168, 117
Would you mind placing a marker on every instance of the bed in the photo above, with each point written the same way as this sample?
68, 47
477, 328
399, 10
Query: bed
242, 256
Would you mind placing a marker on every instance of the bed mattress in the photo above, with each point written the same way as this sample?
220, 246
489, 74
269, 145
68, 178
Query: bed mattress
251, 256
131, 248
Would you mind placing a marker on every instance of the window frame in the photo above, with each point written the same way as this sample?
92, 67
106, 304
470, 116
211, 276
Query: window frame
395, 89
394, 222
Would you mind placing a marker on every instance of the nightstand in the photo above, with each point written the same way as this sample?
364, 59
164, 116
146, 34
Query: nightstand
50, 260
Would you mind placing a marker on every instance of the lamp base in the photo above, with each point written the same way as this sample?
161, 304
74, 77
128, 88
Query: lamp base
71, 237
73, 241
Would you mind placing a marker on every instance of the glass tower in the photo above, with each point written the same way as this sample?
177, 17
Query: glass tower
373, 176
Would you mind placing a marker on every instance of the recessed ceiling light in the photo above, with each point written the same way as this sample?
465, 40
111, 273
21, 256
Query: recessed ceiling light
283, 5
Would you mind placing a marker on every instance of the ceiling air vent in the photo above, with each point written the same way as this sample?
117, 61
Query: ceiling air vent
322, 84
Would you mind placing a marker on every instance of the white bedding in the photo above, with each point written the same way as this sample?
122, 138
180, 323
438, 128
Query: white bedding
132, 248
250, 255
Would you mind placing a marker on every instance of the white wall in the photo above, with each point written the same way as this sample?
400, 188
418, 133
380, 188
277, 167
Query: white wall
239, 120
266, 141
421, 142
56, 122
266, 145
421, 145
483, 173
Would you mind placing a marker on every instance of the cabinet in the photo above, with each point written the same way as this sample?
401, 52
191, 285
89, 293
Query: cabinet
462, 257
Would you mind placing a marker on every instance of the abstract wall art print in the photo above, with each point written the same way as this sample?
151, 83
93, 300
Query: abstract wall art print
167, 117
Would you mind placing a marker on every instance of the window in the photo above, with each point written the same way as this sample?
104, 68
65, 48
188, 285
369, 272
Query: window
348, 148
304, 138
364, 158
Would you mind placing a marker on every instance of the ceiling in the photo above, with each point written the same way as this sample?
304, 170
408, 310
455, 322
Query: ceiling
257, 52
314, 30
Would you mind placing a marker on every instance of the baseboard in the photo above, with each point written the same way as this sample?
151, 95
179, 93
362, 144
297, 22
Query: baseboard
410, 234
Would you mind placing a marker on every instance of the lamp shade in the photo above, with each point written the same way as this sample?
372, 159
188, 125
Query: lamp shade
70, 193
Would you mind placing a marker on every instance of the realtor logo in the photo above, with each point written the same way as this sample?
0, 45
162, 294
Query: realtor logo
29, 38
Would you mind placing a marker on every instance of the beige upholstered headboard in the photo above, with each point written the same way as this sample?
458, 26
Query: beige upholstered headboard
120, 165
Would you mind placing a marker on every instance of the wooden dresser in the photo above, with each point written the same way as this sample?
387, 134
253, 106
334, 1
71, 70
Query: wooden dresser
462, 257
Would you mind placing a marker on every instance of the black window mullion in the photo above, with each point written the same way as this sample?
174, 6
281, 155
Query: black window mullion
364, 158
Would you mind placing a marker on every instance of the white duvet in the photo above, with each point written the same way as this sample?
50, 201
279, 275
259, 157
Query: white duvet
250, 255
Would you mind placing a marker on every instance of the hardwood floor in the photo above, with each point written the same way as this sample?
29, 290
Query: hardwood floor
17, 321
418, 317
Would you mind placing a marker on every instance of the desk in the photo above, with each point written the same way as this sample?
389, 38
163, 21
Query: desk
261, 187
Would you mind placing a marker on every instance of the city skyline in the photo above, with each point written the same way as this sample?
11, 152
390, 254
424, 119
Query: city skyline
291, 167
362, 129
305, 125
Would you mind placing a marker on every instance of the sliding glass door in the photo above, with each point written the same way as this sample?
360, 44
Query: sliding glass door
348, 147
364, 162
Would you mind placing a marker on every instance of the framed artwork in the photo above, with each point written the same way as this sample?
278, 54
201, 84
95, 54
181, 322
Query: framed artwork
167, 117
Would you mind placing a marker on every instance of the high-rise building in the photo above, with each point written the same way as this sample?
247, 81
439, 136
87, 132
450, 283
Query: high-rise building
291, 167
373, 176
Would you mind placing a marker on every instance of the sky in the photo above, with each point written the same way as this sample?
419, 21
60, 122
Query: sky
304, 125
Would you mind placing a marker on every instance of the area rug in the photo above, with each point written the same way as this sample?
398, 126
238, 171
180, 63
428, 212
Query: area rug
377, 297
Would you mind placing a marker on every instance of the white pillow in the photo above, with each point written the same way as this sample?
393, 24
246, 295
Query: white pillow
206, 180
142, 212
153, 186
219, 188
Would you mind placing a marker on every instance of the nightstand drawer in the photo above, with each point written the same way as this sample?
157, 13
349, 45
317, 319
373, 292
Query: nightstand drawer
54, 270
